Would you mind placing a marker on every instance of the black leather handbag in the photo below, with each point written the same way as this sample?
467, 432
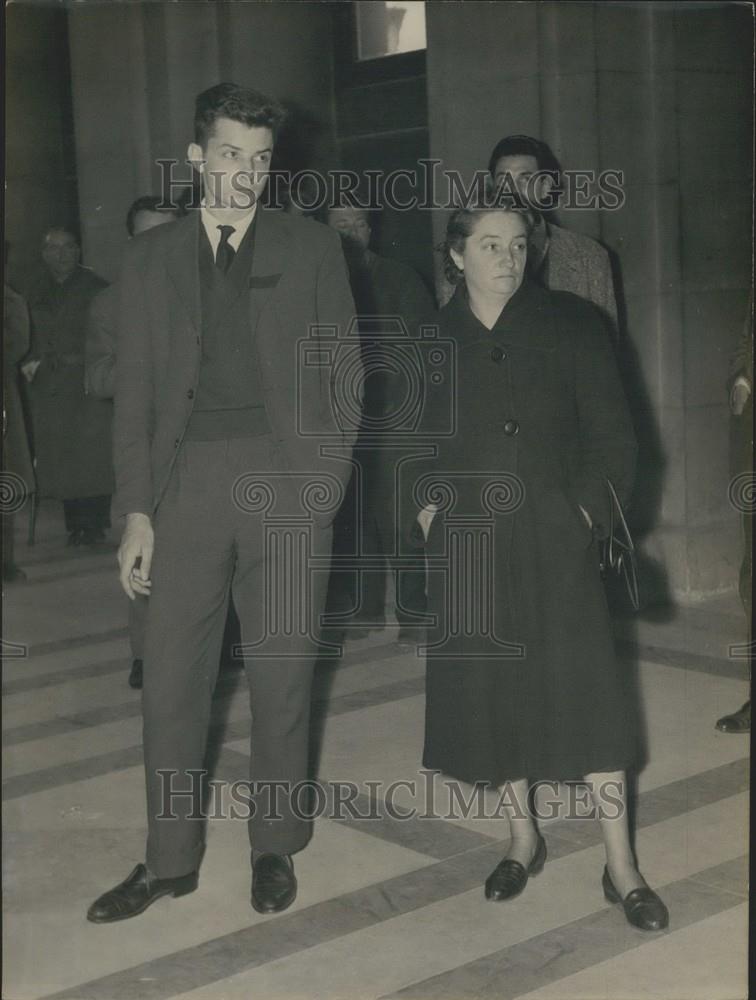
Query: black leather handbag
617, 552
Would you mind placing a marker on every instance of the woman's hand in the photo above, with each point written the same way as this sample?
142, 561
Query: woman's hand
424, 519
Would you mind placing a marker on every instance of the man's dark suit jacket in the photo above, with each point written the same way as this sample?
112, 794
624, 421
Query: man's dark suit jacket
298, 282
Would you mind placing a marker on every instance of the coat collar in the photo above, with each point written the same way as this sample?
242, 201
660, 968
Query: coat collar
525, 321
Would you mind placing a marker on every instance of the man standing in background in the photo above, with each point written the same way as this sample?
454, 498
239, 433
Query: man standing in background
72, 431
387, 293
562, 260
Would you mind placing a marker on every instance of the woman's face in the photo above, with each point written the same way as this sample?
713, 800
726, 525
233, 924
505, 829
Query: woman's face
493, 260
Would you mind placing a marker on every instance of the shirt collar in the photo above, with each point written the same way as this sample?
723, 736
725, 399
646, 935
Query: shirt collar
213, 233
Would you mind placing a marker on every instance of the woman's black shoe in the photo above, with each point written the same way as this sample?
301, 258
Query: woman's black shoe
139, 891
642, 907
738, 722
509, 877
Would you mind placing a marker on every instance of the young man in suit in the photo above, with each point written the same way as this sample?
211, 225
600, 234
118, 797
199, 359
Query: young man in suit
210, 396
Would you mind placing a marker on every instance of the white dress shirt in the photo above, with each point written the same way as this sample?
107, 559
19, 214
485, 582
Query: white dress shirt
213, 233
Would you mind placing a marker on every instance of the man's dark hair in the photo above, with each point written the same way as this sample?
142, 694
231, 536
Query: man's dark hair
239, 104
147, 203
526, 145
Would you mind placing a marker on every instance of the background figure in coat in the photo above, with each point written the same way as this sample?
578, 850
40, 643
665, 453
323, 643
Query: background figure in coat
387, 294
535, 692
740, 386
18, 472
71, 431
560, 259
217, 433
100, 351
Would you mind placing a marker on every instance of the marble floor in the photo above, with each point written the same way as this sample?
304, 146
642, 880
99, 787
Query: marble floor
388, 906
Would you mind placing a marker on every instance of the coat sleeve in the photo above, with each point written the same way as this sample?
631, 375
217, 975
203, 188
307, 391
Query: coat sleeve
133, 416
100, 351
741, 361
607, 446
602, 287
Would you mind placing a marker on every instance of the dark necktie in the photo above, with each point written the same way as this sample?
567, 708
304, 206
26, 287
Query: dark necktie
224, 257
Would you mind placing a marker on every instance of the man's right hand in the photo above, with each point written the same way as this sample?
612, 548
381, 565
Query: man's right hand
135, 555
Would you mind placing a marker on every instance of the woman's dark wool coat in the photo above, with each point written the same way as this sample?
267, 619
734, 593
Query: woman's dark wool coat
540, 407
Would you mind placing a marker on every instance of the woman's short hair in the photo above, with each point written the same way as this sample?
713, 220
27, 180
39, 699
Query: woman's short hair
239, 104
462, 222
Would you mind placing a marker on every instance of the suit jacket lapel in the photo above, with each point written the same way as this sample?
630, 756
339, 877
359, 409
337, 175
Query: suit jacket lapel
268, 260
183, 268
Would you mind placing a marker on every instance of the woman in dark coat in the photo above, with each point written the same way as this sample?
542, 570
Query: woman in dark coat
527, 687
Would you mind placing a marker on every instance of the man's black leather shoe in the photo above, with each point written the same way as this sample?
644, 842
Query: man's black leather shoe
738, 722
274, 885
135, 675
140, 890
509, 877
642, 907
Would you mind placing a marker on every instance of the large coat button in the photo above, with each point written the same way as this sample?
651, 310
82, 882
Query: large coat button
497, 354
511, 427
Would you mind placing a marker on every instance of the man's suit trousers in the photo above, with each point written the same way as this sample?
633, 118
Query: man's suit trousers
212, 539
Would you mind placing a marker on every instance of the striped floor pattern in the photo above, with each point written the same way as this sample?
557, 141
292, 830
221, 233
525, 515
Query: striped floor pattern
390, 901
